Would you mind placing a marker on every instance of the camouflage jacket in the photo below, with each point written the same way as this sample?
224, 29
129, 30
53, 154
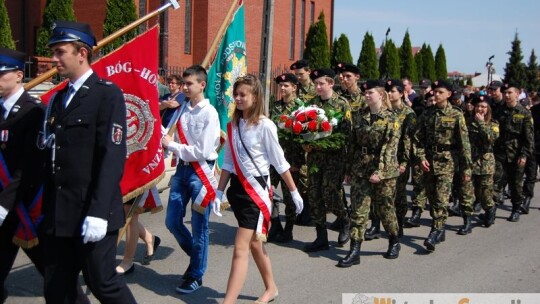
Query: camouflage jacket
407, 121
441, 136
516, 134
293, 151
307, 93
373, 144
482, 135
356, 100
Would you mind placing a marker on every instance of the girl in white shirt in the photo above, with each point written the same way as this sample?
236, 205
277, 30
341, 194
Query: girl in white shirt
253, 146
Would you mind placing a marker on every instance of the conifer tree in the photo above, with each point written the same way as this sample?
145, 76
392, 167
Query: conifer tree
429, 64
392, 60
317, 50
514, 72
6, 37
440, 63
367, 61
341, 51
408, 65
533, 73
119, 14
419, 60
54, 10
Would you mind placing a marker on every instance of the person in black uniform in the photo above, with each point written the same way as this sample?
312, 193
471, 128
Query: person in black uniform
86, 151
20, 121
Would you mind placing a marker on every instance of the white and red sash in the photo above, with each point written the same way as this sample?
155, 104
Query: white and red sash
256, 192
203, 171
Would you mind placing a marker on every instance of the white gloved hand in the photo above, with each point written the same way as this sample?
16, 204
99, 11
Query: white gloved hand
3, 214
216, 204
93, 229
298, 201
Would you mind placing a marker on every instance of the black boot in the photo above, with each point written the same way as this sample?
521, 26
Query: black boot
373, 232
524, 209
499, 200
514, 216
320, 243
400, 220
345, 232
275, 230
353, 257
441, 236
477, 207
454, 210
337, 224
489, 216
393, 248
467, 225
414, 221
286, 235
432, 240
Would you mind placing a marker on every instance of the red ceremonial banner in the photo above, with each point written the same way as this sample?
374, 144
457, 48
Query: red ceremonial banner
134, 68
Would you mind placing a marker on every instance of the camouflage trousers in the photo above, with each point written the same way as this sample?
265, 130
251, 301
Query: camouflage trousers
514, 176
401, 192
438, 189
419, 188
300, 179
499, 180
464, 191
483, 190
325, 184
381, 196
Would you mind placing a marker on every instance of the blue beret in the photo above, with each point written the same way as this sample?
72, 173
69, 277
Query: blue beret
322, 72
302, 63
287, 77
11, 60
68, 31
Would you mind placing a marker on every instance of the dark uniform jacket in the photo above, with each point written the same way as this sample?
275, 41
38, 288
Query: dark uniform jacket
90, 148
23, 159
516, 134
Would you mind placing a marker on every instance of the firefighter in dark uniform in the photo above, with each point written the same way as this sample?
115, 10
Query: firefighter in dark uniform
84, 135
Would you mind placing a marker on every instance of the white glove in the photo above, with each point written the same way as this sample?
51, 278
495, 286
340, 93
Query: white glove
93, 229
3, 214
298, 201
216, 204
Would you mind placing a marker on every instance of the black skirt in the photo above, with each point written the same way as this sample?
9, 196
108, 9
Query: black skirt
244, 208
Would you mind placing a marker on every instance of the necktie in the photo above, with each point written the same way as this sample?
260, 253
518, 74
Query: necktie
70, 92
2, 110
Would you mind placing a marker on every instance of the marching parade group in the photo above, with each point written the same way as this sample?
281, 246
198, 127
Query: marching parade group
328, 128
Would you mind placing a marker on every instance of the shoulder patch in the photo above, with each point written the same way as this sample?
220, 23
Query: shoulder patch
105, 82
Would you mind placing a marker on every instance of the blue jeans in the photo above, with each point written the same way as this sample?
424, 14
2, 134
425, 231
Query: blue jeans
185, 186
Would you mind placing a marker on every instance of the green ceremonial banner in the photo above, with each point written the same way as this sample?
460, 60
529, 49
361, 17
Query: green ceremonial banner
230, 63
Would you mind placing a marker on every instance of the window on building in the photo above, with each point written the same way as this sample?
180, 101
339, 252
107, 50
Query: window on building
312, 13
293, 29
187, 34
302, 26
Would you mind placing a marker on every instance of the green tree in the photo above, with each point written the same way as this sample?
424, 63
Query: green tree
6, 38
367, 61
317, 50
406, 59
389, 61
341, 51
533, 73
119, 14
440, 63
429, 64
54, 10
469, 81
515, 72
419, 60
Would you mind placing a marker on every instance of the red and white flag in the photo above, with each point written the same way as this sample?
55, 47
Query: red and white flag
134, 68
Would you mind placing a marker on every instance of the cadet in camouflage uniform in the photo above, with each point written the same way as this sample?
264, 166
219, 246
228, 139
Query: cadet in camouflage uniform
326, 165
407, 121
482, 134
373, 170
494, 91
306, 89
288, 85
514, 146
441, 136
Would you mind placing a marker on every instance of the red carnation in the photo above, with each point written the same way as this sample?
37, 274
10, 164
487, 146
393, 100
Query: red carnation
326, 126
297, 128
301, 117
289, 123
283, 118
312, 126
312, 115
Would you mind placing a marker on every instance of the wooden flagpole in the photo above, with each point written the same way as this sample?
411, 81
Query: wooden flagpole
34, 82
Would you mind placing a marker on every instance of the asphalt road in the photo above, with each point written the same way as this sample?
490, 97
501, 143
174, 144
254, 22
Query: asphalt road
504, 258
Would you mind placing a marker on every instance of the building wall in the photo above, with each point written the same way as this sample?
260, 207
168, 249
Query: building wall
206, 19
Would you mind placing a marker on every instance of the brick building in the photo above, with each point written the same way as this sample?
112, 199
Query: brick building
187, 33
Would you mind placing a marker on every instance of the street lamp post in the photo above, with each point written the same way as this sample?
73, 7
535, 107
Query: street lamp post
489, 66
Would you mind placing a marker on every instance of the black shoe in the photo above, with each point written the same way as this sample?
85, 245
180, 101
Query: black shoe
524, 209
275, 230
286, 236
373, 232
320, 243
393, 248
189, 285
454, 210
345, 232
337, 224
414, 220
467, 226
514, 216
489, 217
441, 236
148, 258
432, 240
353, 257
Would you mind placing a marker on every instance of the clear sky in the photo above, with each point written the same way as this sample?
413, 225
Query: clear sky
469, 30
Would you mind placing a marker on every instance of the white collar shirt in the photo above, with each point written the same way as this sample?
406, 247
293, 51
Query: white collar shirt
78, 84
10, 102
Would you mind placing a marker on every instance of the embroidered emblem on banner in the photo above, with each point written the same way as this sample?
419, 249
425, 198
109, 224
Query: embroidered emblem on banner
140, 123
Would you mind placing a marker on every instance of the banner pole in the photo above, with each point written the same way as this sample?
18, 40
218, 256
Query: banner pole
50, 73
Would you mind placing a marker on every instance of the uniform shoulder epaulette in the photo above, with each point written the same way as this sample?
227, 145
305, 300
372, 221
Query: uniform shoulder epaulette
105, 82
457, 108
34, 100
